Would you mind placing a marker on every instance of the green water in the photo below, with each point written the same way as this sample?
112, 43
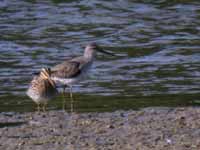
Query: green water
158, 44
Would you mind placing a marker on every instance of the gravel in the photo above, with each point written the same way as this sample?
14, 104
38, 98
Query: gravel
145, 129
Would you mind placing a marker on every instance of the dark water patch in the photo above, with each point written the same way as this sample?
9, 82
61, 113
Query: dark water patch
11, 124
111, 103
88, 103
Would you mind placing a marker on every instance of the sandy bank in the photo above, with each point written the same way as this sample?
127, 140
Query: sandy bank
146, 129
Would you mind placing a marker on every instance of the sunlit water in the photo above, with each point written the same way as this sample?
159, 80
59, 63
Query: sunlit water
158, 43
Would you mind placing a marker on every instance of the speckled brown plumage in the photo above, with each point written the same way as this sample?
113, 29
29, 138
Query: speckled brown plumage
67, 69
42, 89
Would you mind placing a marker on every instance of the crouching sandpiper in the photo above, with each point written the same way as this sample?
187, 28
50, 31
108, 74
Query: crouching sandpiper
42, 88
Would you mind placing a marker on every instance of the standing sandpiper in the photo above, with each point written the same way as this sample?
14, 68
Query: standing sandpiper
42, 88
72, 71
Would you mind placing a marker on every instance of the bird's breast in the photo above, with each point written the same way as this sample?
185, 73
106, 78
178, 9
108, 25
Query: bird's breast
65, 81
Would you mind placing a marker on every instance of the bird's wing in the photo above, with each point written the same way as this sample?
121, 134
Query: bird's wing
67, 69
81, 60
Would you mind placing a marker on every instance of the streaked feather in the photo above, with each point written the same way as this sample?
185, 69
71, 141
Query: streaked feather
42, 89
67, 69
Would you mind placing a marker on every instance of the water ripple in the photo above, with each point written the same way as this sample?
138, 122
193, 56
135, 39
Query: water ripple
159, 42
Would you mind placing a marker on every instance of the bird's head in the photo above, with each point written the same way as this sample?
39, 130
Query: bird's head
92, 48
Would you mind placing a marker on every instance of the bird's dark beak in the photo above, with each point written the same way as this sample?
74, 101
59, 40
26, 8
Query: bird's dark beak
105, 52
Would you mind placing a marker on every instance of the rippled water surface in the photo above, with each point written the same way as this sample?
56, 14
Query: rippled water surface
158, 43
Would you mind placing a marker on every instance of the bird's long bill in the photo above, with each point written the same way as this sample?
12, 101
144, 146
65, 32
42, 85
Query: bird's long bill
105, 52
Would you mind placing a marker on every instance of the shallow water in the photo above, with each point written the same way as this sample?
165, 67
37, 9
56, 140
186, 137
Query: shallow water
159, 45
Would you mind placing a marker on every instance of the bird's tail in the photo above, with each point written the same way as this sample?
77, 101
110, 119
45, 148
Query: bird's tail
46, 74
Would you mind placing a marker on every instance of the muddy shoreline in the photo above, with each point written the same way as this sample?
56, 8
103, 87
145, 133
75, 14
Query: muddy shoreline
149, 128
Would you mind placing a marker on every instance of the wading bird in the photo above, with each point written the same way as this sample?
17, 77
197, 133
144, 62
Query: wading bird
74, 70
42, 88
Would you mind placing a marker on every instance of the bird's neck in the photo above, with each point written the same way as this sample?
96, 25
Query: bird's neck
89, 54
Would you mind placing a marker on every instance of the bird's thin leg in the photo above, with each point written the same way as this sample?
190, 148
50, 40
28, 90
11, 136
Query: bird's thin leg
64, 100
72, 100
44, 107
38, 107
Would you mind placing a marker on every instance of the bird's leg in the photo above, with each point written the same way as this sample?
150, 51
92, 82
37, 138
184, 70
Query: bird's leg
72, 100
38, 107
44, 107
64, 100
